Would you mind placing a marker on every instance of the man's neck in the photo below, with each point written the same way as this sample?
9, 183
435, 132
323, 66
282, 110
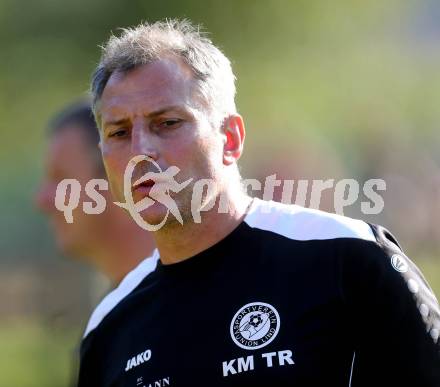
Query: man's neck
178, 242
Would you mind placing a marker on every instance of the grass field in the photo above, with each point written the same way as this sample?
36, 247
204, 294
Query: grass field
431, 271
34, 356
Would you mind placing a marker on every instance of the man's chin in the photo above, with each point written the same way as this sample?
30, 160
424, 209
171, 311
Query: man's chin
69, 249
155, 215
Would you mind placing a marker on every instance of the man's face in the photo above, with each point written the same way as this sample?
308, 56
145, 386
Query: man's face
68, 157
153, 110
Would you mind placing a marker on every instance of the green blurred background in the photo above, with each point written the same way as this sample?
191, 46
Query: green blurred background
347, 89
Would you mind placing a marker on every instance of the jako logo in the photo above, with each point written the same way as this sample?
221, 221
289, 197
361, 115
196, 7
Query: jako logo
138, 359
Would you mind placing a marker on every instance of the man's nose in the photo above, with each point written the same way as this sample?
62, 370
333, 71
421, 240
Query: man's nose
143, 142
44, 198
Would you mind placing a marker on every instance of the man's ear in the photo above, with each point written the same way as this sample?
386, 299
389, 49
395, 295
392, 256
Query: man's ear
234, 132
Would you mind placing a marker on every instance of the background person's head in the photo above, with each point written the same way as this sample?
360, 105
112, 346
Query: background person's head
73, 153
165, 91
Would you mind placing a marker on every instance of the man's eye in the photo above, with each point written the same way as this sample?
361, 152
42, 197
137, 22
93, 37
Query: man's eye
118, 133
169, 124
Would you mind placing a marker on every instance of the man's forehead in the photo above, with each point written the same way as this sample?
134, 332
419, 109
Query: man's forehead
65, 146
158, 81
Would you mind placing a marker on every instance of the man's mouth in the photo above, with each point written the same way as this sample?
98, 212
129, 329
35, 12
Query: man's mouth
147, 183
143, 187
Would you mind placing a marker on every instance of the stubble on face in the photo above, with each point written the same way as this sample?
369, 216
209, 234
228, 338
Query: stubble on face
195, 148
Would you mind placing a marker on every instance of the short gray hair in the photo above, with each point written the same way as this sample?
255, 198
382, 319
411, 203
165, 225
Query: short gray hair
147, 43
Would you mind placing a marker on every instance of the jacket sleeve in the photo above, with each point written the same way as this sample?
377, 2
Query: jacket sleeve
393, 315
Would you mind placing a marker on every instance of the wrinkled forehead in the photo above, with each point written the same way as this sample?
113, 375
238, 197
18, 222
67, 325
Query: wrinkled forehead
149, 87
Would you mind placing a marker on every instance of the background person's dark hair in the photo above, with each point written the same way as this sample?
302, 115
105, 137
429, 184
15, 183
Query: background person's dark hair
79, 115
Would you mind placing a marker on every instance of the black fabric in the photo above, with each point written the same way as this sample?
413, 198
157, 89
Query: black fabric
346, 315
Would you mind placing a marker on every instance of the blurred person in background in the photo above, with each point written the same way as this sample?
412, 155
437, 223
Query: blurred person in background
110, 242
262, 294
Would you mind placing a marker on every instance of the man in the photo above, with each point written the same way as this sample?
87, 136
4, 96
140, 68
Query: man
262, 294
110, 242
